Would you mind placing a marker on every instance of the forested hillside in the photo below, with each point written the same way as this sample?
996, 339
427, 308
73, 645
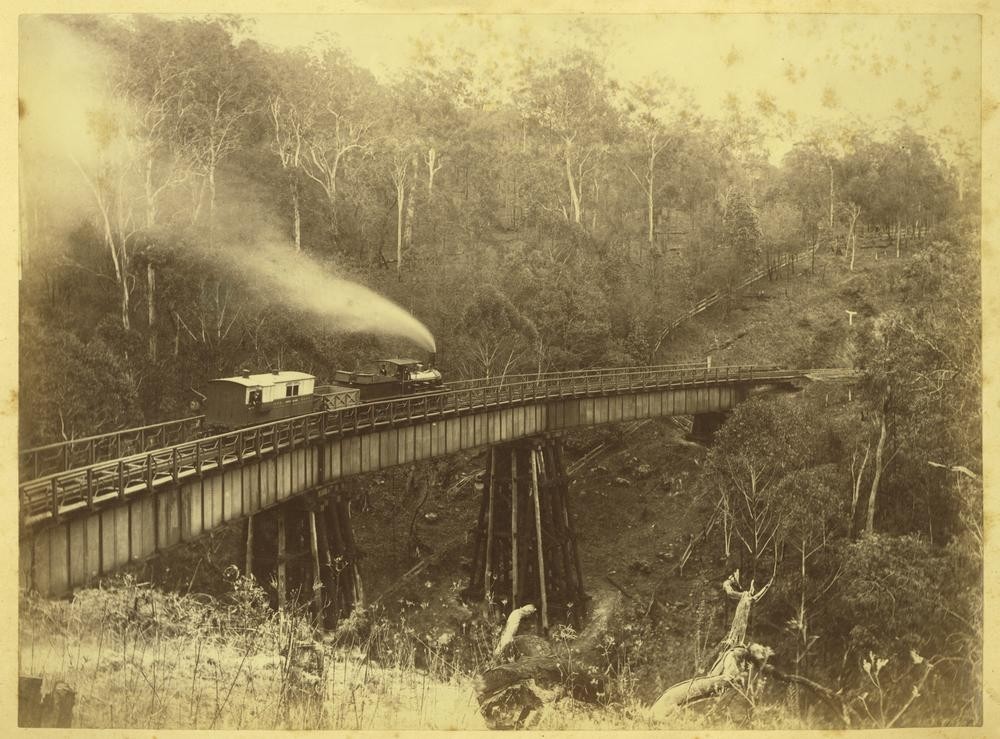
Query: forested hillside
210, 203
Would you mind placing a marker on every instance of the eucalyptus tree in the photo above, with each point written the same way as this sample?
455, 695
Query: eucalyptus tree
496, 337
570, 101
922, 387
436, 97
155, 81
109, 173
221, 95
742, 232
291, 120
915, 181
813, 173
342, 115
659, 113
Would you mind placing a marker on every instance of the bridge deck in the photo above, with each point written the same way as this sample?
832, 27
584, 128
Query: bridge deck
91, 485
82, 523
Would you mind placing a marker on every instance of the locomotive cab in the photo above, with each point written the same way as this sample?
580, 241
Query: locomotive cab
391, 378
409, 371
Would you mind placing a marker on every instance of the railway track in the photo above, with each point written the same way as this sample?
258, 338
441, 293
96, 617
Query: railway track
71, 454
50, 496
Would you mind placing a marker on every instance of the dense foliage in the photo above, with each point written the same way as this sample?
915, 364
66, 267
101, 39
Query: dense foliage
868, 515
556, 220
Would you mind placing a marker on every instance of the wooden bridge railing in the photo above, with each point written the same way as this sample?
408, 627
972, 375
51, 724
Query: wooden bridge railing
74, 453
57, 494
547, 376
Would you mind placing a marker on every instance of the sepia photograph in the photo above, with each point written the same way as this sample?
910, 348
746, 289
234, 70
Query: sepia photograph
458, 371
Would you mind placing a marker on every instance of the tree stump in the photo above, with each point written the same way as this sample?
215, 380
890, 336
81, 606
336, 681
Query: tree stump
54, 710
29, 697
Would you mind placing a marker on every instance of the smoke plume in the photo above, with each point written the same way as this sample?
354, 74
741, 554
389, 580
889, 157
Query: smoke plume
302, 282
62, 84
64, 87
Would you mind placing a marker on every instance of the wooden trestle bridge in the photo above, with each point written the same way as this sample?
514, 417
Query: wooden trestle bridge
91, 506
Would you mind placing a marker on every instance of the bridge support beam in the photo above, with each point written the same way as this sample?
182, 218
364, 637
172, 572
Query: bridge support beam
525, 546
306, 546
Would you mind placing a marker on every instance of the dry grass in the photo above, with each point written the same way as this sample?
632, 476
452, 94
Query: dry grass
143, 659
140, 658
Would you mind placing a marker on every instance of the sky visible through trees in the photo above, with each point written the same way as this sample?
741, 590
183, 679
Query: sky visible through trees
793, 69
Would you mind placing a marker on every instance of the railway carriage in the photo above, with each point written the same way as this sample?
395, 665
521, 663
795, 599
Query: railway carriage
251, 399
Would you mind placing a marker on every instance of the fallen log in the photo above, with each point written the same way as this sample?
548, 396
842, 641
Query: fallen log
688, 691
735, 668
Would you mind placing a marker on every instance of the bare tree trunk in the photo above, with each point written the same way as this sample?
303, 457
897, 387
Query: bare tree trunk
851, 237
410, 207
879, 451
801, 643
150, 267
332, 193
432, 169
125, 299
400, 194
856, 491
898, 229
735, 664
296, 215
151, 308
574, 193
116, 247
649, 205
120, 261
830, 166
150, 195
197, 198
741, 618
211, 204
727, 527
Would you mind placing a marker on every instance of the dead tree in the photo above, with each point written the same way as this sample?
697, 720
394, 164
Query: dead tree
737, 665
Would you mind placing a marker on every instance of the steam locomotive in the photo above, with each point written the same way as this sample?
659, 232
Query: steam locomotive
252, 399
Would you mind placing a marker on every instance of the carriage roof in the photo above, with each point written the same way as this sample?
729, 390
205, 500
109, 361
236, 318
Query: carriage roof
266, 379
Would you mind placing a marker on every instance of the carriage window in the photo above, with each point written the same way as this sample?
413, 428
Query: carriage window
291, 390
255, 397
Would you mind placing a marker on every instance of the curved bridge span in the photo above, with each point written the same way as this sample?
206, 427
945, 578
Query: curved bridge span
82, 523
